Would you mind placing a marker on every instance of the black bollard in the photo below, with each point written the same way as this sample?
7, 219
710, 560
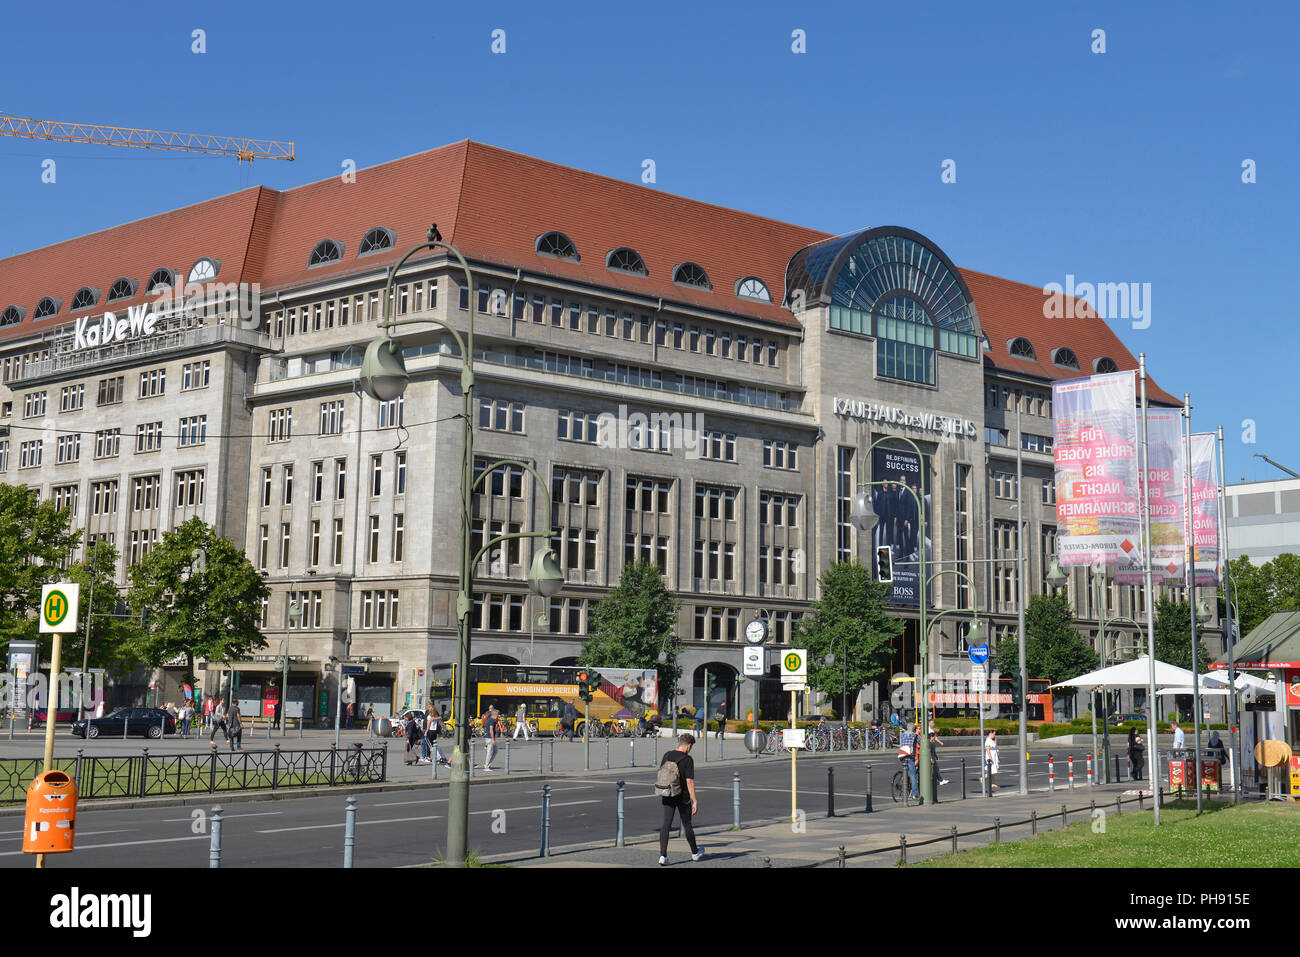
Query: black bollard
869, 788
830, 791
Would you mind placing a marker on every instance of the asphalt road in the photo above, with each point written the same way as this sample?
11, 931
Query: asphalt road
396, 828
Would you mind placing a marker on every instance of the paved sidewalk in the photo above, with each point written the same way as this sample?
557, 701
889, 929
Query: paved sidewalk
777, 844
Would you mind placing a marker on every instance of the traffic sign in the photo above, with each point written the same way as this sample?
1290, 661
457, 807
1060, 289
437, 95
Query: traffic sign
59, 608
755, 660
353, 670
793, 686
794, 664
978, 653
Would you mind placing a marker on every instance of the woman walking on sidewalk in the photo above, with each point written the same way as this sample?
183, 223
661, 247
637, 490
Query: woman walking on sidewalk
991, 757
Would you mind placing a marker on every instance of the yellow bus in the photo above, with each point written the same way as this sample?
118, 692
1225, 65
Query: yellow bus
618, 694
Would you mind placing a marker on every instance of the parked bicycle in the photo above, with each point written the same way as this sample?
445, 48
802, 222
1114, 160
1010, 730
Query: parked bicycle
774, 743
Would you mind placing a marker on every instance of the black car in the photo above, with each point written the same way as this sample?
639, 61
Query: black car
145, 722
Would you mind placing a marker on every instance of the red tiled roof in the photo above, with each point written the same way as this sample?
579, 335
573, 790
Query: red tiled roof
493, 204
220, 229
1008, 310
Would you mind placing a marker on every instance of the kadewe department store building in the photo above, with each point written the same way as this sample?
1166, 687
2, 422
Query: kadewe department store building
746, 364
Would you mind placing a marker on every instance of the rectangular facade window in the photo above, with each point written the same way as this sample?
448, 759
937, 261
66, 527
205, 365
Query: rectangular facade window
188, 490
500, 415
284, 545
720, 446
288, 485
193, 430
108, 442
65, 497
317, 481
331, 417
575, 317
148, 437
780, 455
844, 490
68, 448
401, 474
338, 542
280, 425
340, 479
962, 531
392, 413
263, 542
372, 551
152, 383
146, 493
72, 398
266, 487
195, 375
376, 474
110, 391
399, 536
314, 560
103, 497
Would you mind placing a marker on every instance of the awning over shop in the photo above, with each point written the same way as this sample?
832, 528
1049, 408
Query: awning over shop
1132, 674
1274, 643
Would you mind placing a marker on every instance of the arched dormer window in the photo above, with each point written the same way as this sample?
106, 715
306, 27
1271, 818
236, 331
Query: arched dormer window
46, 307
204, 270
692, 274
160, 278
122, 289
326, 251
628, 260
1065, 358
557, 245
1105, 365
377, 240
11, 316
1022, 348
85, 298
751, 287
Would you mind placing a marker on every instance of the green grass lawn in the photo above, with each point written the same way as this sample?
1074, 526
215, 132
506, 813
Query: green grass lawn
1246, 835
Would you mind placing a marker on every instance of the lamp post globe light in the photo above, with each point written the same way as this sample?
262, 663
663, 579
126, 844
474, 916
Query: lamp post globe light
383, 376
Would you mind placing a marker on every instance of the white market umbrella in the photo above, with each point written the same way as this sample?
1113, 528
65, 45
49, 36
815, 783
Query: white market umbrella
1189, 691
1219, 679
1132, 674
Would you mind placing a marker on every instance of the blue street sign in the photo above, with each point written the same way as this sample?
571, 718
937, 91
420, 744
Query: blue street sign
978, 653
353, 669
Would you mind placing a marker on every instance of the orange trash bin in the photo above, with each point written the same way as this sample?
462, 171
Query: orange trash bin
51, 814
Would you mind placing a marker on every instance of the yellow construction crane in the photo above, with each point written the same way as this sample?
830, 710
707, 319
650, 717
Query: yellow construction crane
239, 147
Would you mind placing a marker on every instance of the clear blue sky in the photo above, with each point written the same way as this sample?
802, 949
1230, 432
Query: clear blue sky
1115, 167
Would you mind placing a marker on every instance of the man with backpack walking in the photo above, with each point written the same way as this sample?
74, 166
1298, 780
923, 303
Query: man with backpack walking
675, 784
219, 722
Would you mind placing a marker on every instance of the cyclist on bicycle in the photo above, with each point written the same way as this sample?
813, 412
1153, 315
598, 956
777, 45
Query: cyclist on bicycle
909, 742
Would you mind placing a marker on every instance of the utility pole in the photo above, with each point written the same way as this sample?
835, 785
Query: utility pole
1189, 508
1020, 611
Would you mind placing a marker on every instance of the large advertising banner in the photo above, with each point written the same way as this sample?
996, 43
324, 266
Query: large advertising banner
1166, 464
899, 525
1097, 471
1205, 509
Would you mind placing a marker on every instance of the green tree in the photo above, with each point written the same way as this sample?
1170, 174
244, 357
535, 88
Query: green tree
1053, 648
1261, 590
849, 617
35, 538
1174, 635
113, 631
200, 597
633, 624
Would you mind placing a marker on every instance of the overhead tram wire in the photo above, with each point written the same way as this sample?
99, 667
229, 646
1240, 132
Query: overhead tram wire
250, 435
